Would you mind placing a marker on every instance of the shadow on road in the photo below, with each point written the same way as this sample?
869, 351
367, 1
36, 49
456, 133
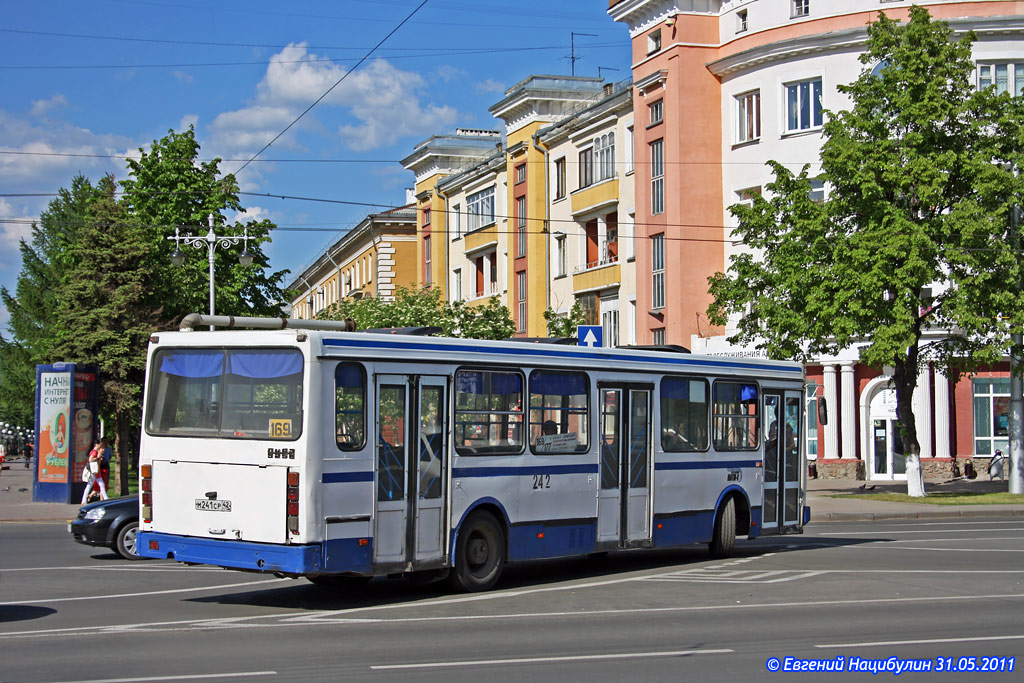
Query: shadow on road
9, 613
616, 565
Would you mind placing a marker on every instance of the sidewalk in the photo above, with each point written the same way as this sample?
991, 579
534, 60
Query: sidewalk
16, 500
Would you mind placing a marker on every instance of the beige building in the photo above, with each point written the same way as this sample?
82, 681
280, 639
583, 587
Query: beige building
372, 259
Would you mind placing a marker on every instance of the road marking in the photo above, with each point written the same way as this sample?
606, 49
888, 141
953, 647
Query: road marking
923, 531
544, 660
958, 639
183, 677
342, 618
954, 550
45, 601
748, 576
134, 566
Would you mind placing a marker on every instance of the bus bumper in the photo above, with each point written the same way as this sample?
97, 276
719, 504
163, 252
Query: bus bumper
260, 557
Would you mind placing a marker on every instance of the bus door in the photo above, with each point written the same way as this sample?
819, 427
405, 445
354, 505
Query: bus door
624, 500
782, 461
411, 470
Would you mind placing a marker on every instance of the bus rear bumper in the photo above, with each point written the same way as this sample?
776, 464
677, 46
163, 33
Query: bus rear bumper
259, 557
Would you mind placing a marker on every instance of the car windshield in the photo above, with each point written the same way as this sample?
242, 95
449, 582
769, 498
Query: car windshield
226, 393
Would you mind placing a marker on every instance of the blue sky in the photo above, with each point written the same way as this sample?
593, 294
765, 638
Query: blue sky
86, 83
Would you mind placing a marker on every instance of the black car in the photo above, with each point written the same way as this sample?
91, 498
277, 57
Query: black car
111, 523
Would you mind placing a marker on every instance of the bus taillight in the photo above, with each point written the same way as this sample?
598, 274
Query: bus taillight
293, 502
146, 485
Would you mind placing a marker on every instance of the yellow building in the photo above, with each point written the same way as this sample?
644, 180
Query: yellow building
372, 259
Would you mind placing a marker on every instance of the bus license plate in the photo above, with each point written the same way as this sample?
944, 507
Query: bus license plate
213, 505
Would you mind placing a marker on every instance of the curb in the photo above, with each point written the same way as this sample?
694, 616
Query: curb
924, 514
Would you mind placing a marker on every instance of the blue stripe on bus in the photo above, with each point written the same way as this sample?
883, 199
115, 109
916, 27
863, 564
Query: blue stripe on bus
345, 477
466, 472
713, 465
527, 350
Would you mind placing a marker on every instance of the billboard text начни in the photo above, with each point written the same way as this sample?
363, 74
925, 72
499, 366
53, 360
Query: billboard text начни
55, 396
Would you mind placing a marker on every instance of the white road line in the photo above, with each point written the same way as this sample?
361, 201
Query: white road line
544, 660
46, 601
954, 550
342, 618
922, 531
134, 566
925, 641
183, 677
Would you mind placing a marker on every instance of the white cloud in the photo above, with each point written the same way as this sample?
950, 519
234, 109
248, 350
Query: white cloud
41, 107
449, 73
15, 225
384, 101
184, 77
253, 213
490, 85
188, 120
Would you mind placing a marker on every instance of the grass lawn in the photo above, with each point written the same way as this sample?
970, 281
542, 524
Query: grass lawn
967, 498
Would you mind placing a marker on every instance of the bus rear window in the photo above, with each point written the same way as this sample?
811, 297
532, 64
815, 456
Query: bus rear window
227, 393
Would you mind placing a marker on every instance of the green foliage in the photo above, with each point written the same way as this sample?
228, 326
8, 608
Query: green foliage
565, 325
168, 188
910, 256
425, 308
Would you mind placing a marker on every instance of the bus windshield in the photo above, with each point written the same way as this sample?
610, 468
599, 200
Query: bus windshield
227, 393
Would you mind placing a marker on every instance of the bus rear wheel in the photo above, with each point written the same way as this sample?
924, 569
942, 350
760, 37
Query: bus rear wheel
723, 540
479, 554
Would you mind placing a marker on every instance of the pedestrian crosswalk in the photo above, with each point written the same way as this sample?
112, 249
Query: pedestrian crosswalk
727, 575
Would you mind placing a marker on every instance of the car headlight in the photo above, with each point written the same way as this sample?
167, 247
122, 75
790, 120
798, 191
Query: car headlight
96, 513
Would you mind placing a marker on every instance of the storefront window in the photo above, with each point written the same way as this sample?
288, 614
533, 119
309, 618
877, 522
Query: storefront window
991, 415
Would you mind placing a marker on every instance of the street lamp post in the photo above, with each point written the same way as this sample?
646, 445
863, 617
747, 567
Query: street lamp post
210, 241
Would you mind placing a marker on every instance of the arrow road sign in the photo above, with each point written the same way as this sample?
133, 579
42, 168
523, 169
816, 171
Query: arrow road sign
589, 335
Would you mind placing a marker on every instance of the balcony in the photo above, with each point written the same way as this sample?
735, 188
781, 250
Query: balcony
600, 274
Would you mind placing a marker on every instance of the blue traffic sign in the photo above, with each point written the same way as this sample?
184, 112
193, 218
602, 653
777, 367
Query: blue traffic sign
589, 335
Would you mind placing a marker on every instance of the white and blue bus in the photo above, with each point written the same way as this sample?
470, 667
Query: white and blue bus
336, 455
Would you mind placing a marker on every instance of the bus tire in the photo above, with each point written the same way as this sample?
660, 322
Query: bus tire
479, 554
723, 540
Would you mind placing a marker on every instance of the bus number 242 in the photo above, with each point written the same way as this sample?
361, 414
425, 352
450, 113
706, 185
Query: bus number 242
542, 481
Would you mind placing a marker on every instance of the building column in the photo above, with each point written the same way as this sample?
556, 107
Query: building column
849, 410
923, 411
941, 415
831, 429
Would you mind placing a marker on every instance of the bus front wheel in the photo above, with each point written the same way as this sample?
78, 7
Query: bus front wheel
479, 554
723, 540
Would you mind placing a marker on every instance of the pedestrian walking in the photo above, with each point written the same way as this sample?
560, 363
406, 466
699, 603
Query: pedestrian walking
26, 451
92, 475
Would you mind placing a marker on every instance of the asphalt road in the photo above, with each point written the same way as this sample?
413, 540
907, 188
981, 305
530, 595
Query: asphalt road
949, 592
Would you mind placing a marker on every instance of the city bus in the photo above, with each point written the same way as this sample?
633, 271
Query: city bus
309, 450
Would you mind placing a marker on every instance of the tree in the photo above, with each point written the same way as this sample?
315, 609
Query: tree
46, 262
168, 188
425, 308
565, 325
104, 317
908, 258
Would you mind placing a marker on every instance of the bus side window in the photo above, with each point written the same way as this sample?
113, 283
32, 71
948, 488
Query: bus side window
684, 414
350, 406
735, 416
559, 406
488, 412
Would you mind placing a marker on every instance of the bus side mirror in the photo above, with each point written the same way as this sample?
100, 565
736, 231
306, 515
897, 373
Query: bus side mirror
822, 411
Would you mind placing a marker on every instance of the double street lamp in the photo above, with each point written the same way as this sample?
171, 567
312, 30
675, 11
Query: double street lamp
210, 241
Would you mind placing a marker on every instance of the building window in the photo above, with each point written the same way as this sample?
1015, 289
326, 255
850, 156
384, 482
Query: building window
748, 116
800, 8
586, 167
457, 284
559, 178
520, 227
520, 173
1002, 76
561, 261
480, 206
457, 220
991, 415
610, 327
426, 260
604, 151
741, 21
653, 41
426, 217
486, 274
521, 296
589, 304
656, 112
658, 271
803, 105
657, 177
658, 336
629, 150
817, 191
